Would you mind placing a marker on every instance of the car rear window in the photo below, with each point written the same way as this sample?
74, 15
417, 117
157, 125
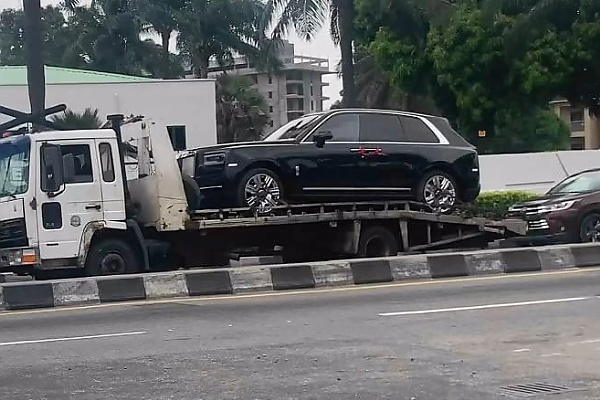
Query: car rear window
416, 131
454, 138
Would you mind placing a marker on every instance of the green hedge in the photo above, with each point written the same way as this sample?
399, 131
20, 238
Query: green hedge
493, 205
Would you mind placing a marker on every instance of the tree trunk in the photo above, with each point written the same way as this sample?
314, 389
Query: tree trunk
165, 37
36, 80
202, 68
346, 21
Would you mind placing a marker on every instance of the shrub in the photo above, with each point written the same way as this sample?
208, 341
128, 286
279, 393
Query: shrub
493, 205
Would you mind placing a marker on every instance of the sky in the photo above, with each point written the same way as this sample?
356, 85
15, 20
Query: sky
320, 46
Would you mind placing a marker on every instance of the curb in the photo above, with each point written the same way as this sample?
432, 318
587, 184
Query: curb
119, 288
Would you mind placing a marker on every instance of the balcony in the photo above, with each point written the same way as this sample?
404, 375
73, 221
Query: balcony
577, 126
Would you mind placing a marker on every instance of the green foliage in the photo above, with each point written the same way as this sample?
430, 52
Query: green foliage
494, 205
72, 120
241, 109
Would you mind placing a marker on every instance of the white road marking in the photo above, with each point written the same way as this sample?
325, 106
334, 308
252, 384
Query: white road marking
485, 306
66, 339
551, 355
591, 341
521, 350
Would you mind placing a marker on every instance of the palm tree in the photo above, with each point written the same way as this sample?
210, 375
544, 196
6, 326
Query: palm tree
241, 109
72, 120
220, 30
160, 17
36, 79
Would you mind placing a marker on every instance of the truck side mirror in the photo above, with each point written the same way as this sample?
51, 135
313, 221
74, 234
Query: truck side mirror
52, 168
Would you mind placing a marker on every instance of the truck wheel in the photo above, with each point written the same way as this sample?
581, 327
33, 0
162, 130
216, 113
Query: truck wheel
439, 191
111, 257
260, 189
377, 241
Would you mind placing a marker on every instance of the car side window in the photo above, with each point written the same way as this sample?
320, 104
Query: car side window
82, 160
344, 127
380, 128
416, 131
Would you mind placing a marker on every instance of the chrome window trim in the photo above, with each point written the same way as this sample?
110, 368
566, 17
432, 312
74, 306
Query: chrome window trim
442, 139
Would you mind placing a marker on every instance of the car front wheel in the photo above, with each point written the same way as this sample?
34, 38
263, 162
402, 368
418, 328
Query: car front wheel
260, 189
438, 190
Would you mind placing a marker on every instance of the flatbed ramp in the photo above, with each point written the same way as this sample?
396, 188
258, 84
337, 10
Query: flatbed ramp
416, 226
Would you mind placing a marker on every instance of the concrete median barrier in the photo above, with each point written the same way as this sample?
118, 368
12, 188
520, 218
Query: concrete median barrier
265, 278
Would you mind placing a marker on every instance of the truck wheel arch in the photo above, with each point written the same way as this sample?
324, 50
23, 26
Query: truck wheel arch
128, 231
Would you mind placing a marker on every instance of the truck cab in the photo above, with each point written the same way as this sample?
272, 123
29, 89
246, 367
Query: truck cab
65, 200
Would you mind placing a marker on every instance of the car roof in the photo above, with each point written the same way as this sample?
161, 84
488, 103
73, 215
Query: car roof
374, 111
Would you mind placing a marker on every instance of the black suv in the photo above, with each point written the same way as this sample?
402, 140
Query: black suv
339, 155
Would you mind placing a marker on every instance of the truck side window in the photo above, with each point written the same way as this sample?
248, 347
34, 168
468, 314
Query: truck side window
106, 162
83, 162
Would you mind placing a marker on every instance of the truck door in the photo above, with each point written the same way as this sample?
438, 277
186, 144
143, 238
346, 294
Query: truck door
113, 198
61, 219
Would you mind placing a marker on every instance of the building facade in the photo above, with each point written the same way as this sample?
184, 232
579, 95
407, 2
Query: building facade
298, 90
585, 128
186, 107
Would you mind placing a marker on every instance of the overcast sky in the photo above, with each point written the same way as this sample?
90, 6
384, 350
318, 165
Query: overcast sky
321, 46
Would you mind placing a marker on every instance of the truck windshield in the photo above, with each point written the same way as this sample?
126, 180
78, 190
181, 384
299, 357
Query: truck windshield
14, 166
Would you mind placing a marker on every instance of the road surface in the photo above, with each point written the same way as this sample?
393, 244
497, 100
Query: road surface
440, 340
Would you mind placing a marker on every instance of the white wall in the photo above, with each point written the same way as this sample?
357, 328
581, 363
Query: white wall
535, 172
189, 102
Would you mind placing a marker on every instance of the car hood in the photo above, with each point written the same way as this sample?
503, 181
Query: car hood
231, 146
553, 198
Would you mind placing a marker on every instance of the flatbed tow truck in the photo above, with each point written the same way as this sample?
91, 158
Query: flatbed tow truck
68, 207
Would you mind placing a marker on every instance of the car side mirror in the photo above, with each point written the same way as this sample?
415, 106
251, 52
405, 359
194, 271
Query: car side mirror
68, 162
321, 137
52, 168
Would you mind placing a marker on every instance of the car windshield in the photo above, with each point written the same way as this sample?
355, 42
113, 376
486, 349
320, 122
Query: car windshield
292, 129
14, 166
584, 182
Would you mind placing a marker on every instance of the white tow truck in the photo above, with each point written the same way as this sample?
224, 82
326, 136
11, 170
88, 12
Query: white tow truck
67, 207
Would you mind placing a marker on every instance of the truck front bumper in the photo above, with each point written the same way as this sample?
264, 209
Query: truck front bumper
18, 258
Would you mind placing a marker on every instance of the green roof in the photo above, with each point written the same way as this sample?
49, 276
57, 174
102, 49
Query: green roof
17, 76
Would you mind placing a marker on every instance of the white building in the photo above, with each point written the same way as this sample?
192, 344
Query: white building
298, 90
186, 106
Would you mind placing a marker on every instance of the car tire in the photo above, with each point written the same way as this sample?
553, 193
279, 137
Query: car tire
192, 192
439, 179
111, 257
269, 190
377, 241
586, 227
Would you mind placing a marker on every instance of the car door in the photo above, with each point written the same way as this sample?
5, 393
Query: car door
389, 158
335, 170
62, 216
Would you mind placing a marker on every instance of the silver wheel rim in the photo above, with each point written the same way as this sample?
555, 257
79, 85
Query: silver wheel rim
439, 193
262, 192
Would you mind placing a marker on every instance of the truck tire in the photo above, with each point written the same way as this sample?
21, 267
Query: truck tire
377, 241
270, 190
112, 257
429, 182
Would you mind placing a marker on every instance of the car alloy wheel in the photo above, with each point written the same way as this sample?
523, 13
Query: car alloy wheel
262, 192
590, 228
439, 193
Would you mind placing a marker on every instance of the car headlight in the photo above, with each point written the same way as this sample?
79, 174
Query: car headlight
563, 205
214, 159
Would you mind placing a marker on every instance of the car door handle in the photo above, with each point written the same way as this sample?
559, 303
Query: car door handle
363, 150
93, 207
367, 151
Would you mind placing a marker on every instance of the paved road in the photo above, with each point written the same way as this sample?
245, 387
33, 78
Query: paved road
443, 340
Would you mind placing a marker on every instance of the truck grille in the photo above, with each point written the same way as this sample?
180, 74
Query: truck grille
13, 234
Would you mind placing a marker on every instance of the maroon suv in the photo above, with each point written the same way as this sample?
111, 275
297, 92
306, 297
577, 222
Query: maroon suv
567, 213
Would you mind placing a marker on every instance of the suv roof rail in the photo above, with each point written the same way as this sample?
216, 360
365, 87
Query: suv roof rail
39, 119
